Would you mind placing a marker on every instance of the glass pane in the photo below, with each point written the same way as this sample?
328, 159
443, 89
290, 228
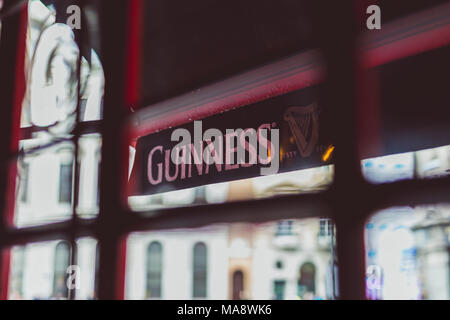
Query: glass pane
154, 270
87, 261
42, 271
51, 68
45, 185
241, 138
199, 270
407, 253
46, 171
46, 180
296, 182
422, 164
38, 271
406, 113
237, 261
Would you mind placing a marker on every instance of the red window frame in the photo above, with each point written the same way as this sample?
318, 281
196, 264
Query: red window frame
348, 86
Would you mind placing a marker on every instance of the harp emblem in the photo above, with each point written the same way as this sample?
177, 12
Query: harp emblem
304, 125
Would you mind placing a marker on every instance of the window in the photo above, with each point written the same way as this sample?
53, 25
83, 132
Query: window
307, 281
65, 183
238, 285
96, 272
284, 228
325, 228
39, 271
61, 263
278, 289
407, 253
154, 270
200, 271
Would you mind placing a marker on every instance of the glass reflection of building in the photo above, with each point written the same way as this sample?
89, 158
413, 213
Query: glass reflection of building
407, 255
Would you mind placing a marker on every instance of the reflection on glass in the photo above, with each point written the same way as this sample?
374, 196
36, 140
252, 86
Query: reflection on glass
408, 253
60, 277
52, 76
39, 270
46, 171
46, 180
200, 270
238, 261
422, 164
302, 181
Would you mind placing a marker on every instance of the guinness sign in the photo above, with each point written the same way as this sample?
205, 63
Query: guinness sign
273, 136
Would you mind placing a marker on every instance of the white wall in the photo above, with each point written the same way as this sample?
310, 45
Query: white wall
177, 251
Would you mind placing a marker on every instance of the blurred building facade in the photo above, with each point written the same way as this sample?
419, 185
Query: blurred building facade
283, 260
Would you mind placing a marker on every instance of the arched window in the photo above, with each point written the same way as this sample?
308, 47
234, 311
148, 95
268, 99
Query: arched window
307, 279
61, 263
238, 285
66, 169
200, 270
154, 270
97, 270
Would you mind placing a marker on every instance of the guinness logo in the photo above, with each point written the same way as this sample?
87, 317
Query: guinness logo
304, 125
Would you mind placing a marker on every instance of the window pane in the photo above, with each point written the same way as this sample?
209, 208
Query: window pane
51, 97
277, 145
407, 253
154, 270
237, 261
46, 180
200, 269
46, 171
23, 181
65, 183
40, 271
296, 182
44, 184
219, 48
399, 120
429, 163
